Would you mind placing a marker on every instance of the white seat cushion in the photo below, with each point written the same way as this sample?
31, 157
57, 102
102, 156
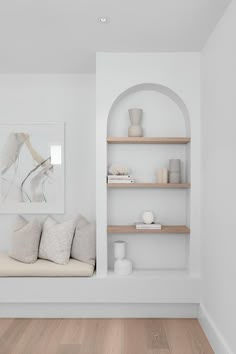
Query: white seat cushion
42, 268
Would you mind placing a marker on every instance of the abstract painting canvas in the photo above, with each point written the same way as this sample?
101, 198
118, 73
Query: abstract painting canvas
32, 168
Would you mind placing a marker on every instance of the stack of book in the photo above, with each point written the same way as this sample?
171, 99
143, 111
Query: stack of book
140, 226
120, 179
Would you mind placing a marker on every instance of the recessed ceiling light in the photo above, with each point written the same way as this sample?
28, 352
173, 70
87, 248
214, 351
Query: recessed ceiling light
103, 20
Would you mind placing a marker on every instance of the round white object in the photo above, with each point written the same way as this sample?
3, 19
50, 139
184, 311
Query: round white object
148, 217
123, 267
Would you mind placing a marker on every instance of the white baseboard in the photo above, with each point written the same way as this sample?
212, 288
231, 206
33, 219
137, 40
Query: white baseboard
213, 334
75, 310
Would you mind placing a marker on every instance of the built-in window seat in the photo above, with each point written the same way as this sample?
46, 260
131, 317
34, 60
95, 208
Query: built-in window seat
43, 268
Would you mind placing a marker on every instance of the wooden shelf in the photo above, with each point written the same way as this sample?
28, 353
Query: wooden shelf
130, 229
148, 185
148, 140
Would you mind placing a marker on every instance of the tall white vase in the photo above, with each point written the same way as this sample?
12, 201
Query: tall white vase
123, 266
174, 170
135, 129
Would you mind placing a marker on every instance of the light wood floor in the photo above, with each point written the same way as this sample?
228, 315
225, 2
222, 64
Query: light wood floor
104, 336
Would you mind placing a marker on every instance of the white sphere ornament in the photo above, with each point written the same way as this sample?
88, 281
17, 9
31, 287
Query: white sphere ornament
148, 217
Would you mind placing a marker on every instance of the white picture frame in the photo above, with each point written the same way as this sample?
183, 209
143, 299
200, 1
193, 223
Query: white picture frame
30, 183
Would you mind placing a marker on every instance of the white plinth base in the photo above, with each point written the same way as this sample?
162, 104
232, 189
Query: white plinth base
117, 310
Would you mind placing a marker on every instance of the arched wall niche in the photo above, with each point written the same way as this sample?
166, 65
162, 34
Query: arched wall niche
158, 88
143, 160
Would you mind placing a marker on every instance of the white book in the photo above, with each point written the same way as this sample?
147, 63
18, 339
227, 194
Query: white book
122, 177
124, 181
148, 226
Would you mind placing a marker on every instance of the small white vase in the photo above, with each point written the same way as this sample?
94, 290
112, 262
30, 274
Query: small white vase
135, 129
148, 217
123, 267
119, 249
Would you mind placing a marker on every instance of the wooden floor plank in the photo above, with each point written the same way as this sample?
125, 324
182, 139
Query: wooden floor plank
102, 336
11, 337
4, 324
69, 349
33, 334
156, 335
184, 339
114, 338
73, 331
159, 351
48, 333
93, 335
197, 338
135, 341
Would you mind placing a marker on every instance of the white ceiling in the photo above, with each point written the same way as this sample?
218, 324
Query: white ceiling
62, 36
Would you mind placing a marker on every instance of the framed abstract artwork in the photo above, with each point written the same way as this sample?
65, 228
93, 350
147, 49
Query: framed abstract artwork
32, 168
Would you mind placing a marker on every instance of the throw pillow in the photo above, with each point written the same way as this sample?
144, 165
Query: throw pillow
81, 221
25, 240
56, 240
84, 242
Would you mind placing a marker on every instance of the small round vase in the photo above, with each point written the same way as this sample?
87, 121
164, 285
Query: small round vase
123, 267
135, 129
148, 217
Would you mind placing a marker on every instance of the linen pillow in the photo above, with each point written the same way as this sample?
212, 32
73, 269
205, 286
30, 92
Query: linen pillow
56, 240
81, 221
25, 240
84, 242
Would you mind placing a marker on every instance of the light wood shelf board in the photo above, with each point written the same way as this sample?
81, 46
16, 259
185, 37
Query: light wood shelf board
148, 140
130, 229
148, 185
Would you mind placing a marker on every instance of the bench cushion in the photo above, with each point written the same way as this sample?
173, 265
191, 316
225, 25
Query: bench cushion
42, 268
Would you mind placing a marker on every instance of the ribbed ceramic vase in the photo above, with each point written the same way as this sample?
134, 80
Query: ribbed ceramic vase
174, 171
135, 129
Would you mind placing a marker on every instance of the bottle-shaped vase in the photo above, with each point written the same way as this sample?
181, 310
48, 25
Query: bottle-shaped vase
135, 129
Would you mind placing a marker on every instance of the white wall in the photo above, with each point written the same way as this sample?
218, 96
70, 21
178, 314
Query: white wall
57, 98
219, 176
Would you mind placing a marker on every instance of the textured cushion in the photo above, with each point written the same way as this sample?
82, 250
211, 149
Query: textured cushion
25, 240
56, 240
81, 221
84, 242
42, 268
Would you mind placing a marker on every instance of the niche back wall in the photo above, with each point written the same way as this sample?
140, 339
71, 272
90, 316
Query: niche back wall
49, 99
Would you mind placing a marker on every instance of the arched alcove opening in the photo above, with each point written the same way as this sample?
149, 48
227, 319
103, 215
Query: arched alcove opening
156, 100
164, 115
